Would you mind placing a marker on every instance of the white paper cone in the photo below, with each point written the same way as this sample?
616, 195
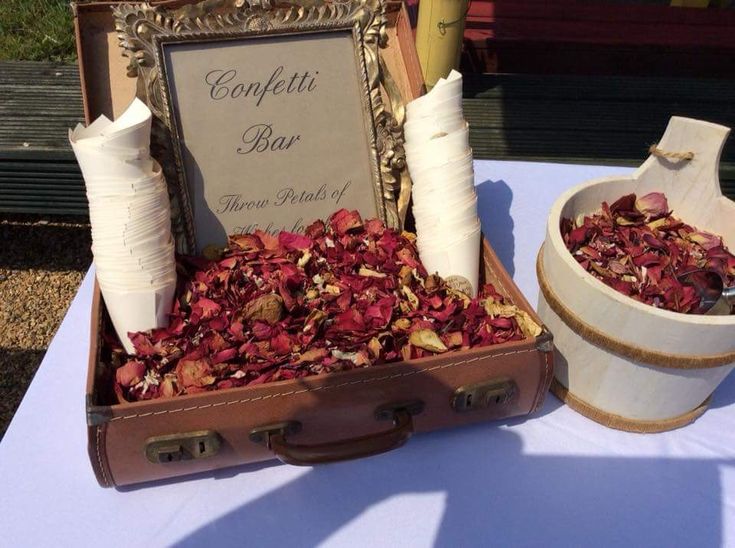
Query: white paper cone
81, 132
424, 129
133, 311
458, 262
446, 88
435, 218
440, 149
129, 211
131, 130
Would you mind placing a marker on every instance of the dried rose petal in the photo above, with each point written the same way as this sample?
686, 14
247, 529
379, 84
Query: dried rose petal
349, 320
344, 221
294, 241
652, 205
428, 340
246, 242
167, 388
705, 239
131, 373
194, 373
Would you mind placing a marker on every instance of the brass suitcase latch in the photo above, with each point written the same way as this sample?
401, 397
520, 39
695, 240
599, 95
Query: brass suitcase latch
187, 446
493, 393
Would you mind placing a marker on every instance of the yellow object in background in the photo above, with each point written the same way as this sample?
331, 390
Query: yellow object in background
690, 3
439, 35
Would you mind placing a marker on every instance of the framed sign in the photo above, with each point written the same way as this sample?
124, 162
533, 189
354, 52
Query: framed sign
268, 117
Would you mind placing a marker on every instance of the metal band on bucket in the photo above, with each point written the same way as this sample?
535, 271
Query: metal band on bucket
618, 422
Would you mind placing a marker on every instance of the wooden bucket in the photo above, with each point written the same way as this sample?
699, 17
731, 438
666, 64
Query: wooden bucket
620, 362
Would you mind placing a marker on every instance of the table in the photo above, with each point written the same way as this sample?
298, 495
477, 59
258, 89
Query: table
552, 479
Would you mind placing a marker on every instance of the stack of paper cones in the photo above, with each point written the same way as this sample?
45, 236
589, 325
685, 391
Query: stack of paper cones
130, 215
439, 160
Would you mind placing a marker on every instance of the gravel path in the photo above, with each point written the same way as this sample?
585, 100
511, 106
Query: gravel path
42, 263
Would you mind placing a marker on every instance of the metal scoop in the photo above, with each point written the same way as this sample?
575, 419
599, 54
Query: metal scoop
715, 298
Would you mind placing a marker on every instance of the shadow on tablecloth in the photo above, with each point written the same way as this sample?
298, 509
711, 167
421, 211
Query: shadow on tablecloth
495, 494
496, 491
493, 205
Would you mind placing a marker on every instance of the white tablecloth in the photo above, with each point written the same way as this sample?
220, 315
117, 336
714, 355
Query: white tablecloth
552, 479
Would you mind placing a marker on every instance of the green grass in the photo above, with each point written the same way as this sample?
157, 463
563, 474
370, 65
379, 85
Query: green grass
36, 30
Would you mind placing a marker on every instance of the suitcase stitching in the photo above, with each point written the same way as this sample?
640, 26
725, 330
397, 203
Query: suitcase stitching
547, 366
295, 392
99, 458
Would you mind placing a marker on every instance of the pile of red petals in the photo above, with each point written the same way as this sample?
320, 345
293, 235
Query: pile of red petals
639, 248
343, 295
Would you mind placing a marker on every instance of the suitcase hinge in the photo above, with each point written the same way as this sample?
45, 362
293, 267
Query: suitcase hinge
97, 414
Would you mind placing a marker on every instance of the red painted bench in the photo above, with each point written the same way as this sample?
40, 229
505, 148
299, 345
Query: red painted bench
584, 37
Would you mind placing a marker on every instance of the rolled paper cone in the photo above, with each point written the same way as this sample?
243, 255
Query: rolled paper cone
419, 173
84, 147
448, 107
437, 241
132, 311
440, 179
152, 177
129, 212
131, 283
423, 130
124, 188
161, 235
433, 240
134, 280
128, 225
139, 247
111, 282
127, 185
132, 233
140, 252
451, 107
436, 236
435, 156
443, 187
148, 255
149, 199
445, 88
437, 218
459, 264
441, 202
97, 165
81, 132
451, 145
131, 130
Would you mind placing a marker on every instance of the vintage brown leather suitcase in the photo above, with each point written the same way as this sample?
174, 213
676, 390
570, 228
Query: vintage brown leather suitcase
304, 421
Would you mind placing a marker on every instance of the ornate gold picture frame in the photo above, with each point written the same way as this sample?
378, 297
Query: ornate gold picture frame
155, 37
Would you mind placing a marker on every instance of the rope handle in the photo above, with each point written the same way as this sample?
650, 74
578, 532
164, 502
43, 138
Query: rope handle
677, 156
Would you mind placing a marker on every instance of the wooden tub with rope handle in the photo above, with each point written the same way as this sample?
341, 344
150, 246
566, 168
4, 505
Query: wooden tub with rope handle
620, 362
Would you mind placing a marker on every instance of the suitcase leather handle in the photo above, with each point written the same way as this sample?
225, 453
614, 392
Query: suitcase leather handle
275, 437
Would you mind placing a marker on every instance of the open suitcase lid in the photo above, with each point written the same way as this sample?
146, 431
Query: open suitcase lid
109, 84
